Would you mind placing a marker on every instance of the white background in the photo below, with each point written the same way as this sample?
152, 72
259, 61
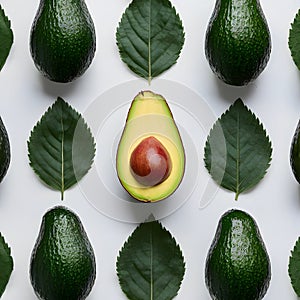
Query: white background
274, 97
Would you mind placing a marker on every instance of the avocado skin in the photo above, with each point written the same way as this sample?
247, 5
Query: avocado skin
238, 41
237, 266
295, 153
4, 151
62, 39
62, 263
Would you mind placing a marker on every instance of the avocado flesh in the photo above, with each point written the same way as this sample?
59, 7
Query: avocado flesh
150, 115
238, 41
62, 262
62, 39
237, 265
4, 151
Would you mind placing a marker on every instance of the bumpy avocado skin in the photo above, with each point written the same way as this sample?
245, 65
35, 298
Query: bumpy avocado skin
295, 154
238, 41
237, 266
62, 39
62, 265
4, 151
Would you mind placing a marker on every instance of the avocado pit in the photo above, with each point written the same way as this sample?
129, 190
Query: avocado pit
150, 162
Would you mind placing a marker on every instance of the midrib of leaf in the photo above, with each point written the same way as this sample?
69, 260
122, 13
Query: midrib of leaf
151, 266
149, 44
240, 172
136, 277
48, 159
238, 158
62, 159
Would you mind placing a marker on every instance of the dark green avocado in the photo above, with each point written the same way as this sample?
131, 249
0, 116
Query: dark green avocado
62, 39
4, 151
62, 265
295, 153
237, 266
238, 41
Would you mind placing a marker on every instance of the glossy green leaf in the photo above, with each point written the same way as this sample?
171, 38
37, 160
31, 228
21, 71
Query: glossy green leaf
237, 151
294, 39
150, 266
6, 37
150, 37
61, 147
6, 264
294, 268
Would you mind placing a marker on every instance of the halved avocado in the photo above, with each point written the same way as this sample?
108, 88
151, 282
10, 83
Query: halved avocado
150, 116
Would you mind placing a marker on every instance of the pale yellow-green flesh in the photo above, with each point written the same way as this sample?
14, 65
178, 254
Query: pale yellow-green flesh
150, 116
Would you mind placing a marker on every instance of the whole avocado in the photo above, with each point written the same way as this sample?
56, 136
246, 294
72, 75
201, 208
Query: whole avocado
238, 41
62, 39
295, 153
237, 266
62, 265
4, 151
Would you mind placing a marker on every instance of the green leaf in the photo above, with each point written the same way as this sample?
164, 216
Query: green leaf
6, 37
294, 267
150, 37
150, 265
61, 147
6, 264
294, 39
237, 151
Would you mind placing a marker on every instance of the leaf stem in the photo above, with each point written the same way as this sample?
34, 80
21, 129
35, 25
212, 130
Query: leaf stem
236, 196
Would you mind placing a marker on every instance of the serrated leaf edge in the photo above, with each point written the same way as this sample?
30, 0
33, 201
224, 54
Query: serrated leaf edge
239, 102
7, 249
59, 101
177, 54
295, 251
131, 236
8, 24
296, 22
5, 17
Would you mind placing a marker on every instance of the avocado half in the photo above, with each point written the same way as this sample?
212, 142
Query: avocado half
150, 116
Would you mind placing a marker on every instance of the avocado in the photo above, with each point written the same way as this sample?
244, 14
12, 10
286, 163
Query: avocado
150, 159
62, 39
295, 153
237, 41
4, 151
237, 266
62, 265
